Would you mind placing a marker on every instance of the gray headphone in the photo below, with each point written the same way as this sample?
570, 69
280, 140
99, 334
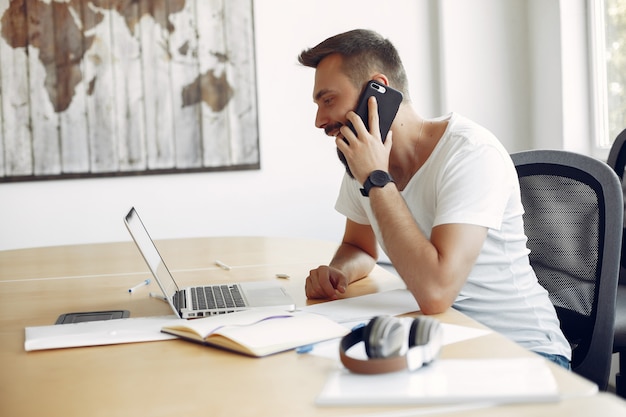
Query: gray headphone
384, 338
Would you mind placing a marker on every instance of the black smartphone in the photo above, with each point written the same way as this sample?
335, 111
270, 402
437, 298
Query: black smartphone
388, 100
92, 316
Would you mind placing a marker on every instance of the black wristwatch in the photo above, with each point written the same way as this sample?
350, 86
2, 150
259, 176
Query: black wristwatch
377, 178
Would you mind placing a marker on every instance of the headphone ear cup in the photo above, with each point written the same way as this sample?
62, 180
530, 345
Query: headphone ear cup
367, 331
393, 338
383, 337
413, 331
422, 331
426, 332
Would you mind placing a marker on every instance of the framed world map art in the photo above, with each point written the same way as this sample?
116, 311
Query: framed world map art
126, 87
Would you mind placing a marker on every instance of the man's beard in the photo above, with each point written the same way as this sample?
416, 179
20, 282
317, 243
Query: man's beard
343, 160
329, 131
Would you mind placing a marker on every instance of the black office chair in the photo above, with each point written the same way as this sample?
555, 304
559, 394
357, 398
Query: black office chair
617, 161
573, 208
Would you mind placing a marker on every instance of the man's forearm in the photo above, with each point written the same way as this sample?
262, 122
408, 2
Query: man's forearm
354, 262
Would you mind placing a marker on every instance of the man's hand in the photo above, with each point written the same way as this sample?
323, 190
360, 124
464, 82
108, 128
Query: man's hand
325, 282
365, 151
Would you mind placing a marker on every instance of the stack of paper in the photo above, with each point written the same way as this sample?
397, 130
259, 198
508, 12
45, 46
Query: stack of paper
450, 381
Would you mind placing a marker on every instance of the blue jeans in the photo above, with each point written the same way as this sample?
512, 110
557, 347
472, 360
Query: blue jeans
558, 359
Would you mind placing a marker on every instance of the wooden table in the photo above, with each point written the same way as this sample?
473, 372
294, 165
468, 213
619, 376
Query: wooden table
180, 378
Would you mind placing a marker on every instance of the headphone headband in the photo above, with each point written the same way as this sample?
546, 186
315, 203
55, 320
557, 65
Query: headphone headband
370, 366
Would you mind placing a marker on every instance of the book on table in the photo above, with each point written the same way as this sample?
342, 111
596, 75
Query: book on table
258, 332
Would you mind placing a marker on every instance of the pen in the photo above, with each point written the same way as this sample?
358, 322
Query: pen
305, 348
141, 284
358, 326
222, 265
308, 348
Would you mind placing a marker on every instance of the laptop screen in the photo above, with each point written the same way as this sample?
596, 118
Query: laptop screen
150, 253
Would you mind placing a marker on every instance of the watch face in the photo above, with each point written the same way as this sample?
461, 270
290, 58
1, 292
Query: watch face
380, 178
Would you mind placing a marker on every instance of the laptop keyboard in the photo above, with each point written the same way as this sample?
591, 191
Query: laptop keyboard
216, 296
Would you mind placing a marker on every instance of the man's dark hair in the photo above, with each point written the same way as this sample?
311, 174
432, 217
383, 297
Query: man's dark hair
364, 52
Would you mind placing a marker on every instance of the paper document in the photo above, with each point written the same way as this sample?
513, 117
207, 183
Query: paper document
93, 333
449, 381
452, 333
392, 302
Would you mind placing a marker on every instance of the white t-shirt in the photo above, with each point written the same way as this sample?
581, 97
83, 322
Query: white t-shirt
469, 178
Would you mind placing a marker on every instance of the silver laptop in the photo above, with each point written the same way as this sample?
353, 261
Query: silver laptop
203, 301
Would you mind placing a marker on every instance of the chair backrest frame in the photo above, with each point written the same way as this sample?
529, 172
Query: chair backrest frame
595, 365
617, 161
617, 155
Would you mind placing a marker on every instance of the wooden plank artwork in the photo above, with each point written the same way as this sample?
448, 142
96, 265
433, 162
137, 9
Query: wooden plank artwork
120, 87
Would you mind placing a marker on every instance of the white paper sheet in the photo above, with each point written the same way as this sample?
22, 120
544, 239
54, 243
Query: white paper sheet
452, 333
392, 303
93, 333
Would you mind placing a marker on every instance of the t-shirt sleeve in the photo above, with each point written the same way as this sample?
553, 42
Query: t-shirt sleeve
349, 202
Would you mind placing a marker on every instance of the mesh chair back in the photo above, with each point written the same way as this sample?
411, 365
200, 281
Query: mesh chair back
572, 204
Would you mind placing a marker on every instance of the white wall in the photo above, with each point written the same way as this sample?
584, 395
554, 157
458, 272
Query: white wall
560, 99
473, 57
292, 194
486, 75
